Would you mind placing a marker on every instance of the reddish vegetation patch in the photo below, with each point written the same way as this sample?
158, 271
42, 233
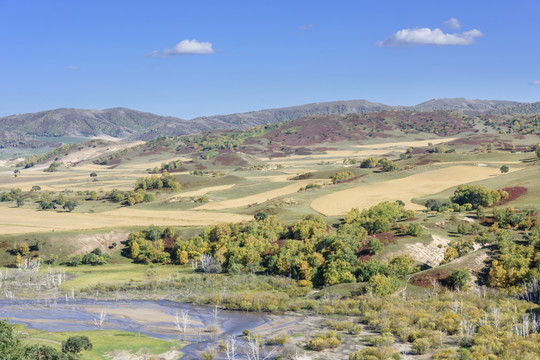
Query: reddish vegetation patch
426, 279
351, 179
115, 161
387, 238
363, 258
159, 149
514, 192
425, 161
487, 221
4, 244
321, 129
169, 243
229, 158
419, 151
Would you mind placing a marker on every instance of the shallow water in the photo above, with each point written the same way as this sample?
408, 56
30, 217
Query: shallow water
79, 315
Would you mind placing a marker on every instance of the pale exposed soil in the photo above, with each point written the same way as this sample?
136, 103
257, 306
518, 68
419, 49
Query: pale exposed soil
431, 254
92, 153
86, 243
404, 189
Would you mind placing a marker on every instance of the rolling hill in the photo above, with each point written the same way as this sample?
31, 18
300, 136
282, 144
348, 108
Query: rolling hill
48, 128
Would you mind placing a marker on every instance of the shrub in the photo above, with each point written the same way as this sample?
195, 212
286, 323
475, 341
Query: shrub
375, 246
381, 285
76, 344
476, 195
341, 176
415, 229
460, 277
420, 346
369, 163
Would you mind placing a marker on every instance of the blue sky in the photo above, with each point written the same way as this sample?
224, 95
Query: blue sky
195, 58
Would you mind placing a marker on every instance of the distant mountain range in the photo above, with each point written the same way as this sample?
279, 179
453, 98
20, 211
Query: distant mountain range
42, 128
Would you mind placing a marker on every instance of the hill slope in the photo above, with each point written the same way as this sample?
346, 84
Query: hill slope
117, 122
40, 129
466, 106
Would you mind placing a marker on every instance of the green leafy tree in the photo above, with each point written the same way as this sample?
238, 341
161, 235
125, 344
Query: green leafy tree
382, 285
388, 165
375, 246
11, 348
415, 229
76, 344
341, 176
401, 265
70, 205
22, 248
476, 195
480, 212
460, 278
19, 201
462, 229
369, 163
260, 216
504, 169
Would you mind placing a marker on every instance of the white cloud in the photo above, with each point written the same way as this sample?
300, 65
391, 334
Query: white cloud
186, 47
426, 36
453, 23
535, 82
73, 67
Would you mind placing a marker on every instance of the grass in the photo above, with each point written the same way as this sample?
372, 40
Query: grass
103, 341
86, 276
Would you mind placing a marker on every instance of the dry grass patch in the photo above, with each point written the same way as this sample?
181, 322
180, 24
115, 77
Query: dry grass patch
24, 220
199, 192
405, 144
258, 198
404, 189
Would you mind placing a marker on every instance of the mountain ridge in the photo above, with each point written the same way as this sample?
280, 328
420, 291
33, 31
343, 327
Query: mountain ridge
24, 130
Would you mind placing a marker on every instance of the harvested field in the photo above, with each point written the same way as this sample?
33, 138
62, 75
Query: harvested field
405, 189
405, 144
23, 220
258, 198
199, 192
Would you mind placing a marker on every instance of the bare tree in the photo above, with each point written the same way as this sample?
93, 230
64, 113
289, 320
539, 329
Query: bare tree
185, 292
496, 315
215, 313
530, 291
231, 348
181, 320
99, 320
254, 346
209, 264
467, 328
